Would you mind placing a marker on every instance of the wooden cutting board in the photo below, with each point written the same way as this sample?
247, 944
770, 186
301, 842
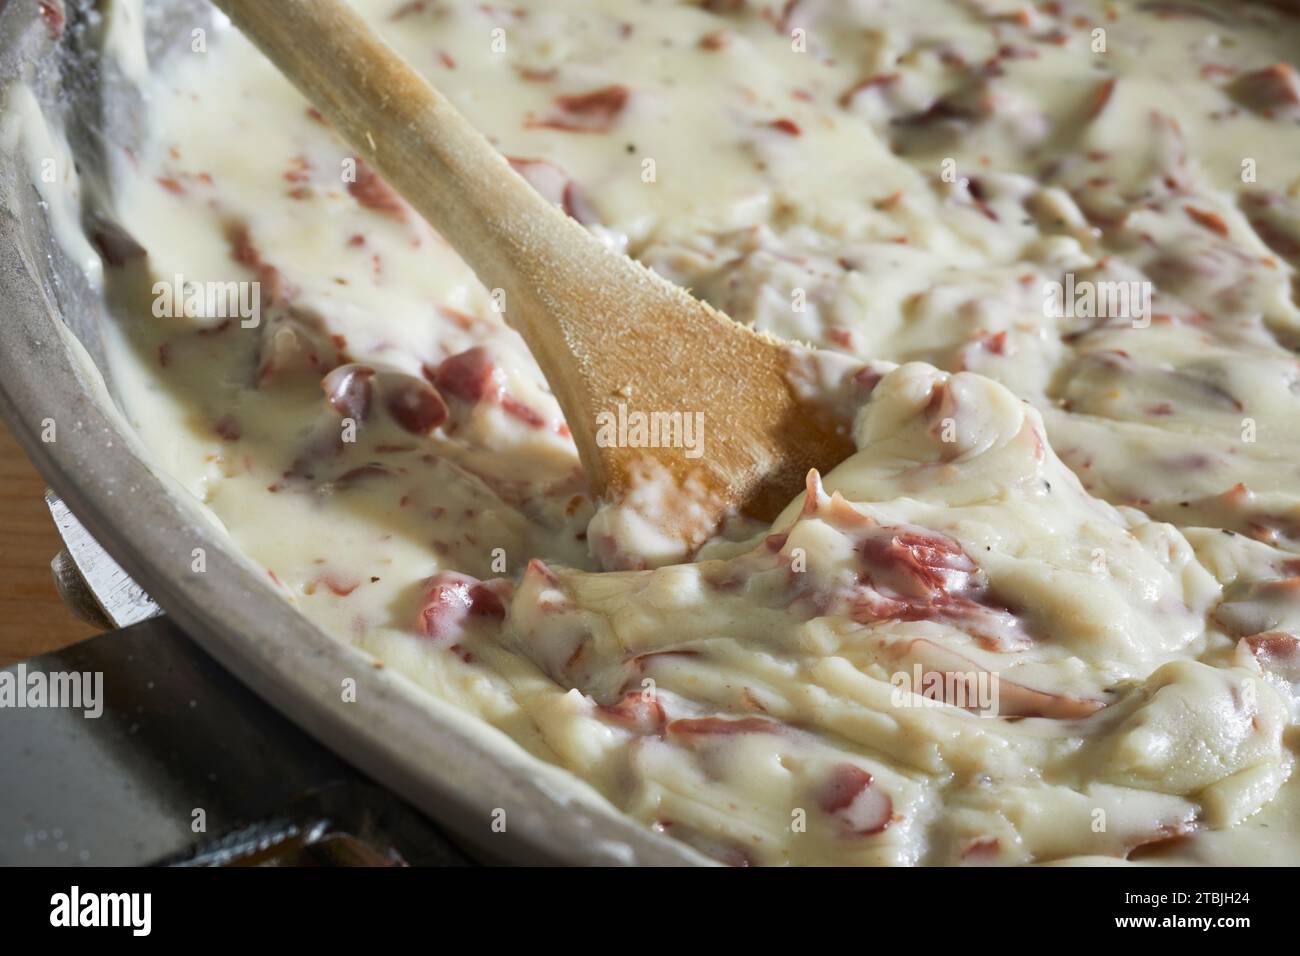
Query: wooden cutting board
32, 618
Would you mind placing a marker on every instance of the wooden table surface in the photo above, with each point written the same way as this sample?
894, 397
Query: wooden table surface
32, 618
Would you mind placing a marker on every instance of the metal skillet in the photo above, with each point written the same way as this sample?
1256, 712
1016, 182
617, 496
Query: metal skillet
51, 369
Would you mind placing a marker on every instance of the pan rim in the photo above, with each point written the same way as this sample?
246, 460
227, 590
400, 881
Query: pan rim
448, 763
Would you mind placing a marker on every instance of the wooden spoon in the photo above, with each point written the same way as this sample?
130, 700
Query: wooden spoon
604, 329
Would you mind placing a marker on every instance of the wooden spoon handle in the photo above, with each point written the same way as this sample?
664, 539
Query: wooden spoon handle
414, 137
607, 332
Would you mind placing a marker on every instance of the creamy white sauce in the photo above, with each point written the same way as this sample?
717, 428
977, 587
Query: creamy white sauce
1097, 517
25, 131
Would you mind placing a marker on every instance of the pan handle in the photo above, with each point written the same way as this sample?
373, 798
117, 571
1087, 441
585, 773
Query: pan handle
149, 751
163, 757
90, 583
